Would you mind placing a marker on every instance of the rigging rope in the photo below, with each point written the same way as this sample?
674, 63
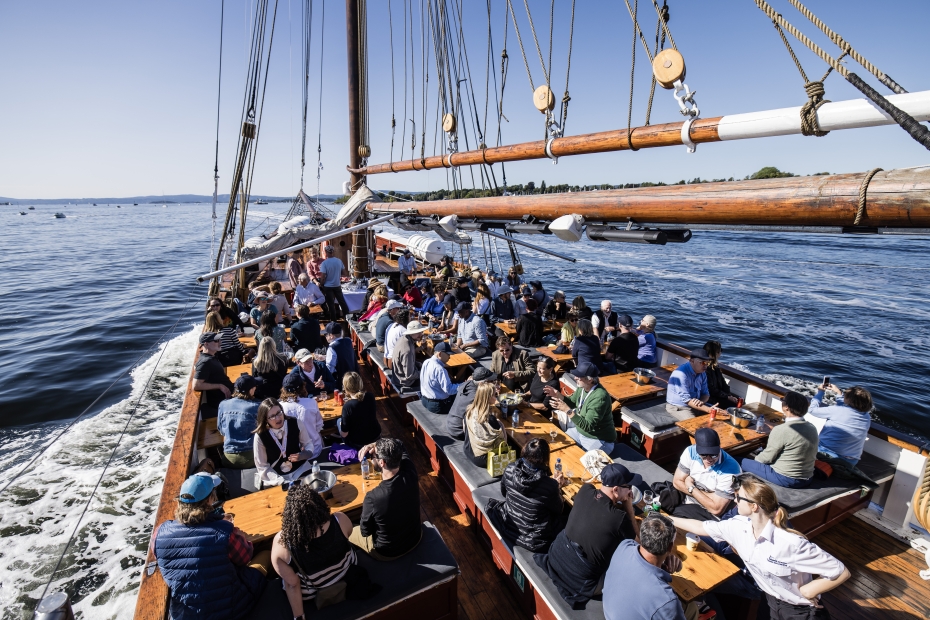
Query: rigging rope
364, 149
660, 45
563, 116
307, 34
863, 188
216, 161
629, 114
516, 29
393, 118
319, 133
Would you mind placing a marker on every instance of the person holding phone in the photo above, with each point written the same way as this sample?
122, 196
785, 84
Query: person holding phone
847, 421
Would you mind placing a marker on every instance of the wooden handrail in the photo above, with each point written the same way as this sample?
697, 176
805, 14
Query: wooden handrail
152, 603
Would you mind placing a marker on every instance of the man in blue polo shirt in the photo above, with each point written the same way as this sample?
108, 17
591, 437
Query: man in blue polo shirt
687, 387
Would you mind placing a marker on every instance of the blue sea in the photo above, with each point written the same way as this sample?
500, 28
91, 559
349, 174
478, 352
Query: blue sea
108, 290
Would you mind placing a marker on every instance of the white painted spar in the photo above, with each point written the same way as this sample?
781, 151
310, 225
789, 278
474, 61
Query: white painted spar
834, 115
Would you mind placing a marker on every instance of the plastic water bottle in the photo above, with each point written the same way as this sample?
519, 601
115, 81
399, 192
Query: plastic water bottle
760, 424
366, 469
558, 465
516, 418
316, 468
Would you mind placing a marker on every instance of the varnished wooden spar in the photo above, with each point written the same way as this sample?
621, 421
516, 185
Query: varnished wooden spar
831, 116
895, 199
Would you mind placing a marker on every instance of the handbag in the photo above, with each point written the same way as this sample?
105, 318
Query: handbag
499, 460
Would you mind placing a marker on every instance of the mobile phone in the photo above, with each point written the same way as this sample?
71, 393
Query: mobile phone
826, 381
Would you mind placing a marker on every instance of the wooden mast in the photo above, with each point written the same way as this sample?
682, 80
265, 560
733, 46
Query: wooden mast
360, 267
894, 199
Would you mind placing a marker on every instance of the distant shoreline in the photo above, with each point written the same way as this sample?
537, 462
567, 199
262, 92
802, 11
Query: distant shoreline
172, 199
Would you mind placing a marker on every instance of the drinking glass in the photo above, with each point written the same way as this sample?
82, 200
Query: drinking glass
569, 474
554, 434
322, 397
648, 498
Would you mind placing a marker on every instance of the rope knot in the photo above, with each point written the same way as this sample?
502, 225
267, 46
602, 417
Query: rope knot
815, 90
809, 123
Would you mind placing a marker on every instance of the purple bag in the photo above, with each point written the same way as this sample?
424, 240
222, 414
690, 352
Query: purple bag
342, 454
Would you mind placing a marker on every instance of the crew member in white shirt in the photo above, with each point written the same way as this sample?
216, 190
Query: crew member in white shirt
792, 571
407, 265
307, 292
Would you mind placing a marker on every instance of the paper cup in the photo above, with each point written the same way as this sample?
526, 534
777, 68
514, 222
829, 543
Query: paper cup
692, 541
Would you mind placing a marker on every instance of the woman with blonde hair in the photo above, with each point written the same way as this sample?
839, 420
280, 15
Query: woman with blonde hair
269, 366
482, 303
359, 424
483, 432
782, 561
378, 298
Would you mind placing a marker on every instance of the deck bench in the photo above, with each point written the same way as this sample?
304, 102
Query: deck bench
651, 430
421, 584
377, 358
464, 478
362, 337
429, 429
548, 603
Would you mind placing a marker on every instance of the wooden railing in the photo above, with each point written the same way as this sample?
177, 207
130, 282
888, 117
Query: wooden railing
152, 603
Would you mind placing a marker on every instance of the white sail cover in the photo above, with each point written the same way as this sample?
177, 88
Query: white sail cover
349, 212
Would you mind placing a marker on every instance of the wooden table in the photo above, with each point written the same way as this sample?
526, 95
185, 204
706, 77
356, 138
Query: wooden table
207, 435
258, 514
571, 462
701, 570
329, 410
560, 359
234, 372
457, 358
510, 329
732, 439
623, 387
249, 341
534, 425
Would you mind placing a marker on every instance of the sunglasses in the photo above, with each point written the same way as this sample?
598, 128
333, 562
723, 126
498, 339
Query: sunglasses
571, 320
214, 305
740, 498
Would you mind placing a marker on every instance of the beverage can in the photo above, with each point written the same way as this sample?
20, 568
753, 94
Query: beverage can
713, 414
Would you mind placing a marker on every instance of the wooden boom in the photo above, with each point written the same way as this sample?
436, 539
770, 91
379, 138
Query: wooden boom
894, 199
785, 121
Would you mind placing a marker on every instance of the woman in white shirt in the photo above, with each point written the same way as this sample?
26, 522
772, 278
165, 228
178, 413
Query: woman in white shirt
782, 561
282, 446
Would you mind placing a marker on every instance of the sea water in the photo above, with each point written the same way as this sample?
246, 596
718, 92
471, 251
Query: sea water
86, 296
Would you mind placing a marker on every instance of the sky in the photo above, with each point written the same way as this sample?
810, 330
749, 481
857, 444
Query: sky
110, 98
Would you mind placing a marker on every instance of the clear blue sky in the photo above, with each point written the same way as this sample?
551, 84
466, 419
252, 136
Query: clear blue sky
110, 98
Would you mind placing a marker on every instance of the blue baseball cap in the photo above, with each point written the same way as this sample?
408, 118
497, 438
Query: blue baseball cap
198, 487
442, 347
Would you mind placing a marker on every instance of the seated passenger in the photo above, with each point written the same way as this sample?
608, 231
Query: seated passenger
315, 374
623, 350
312, 553
513, 279
210, 375
271, 367
604, 321
788, 458
436, 388
567, 336
236, 420
307, 293
390, 523
461, 292
412, 296
394, 333
279, 301
263, 304
385, 321
472, 334
648, 347
449, 323
268, 328
297, 404
586, 416
376, 302
232, 352
540, 296
340, 355
716, 382
464, 397
581, 309
484, 433
359, 424
557, 309
404, 356
530, 327
687, 387
502, 306
433, 305
600, 520
637, 585
512, 365
544, 378
305, 333
704, 478
227, 314
586, 348
848, 421
482, 303
531, 514
206, 562
283, 447
519, 306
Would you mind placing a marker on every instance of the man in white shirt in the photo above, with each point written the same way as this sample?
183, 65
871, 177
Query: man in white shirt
394, 333
407, 265
307, 292
704, 478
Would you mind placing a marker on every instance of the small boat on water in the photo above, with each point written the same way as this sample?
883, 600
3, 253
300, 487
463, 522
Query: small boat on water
32, 208
22, 213
60, 215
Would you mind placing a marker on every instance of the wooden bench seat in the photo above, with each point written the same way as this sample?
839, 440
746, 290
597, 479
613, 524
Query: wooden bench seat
547, 601
422, 584
429, 429
464, 477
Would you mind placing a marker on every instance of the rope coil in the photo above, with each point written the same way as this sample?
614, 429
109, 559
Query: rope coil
863, 189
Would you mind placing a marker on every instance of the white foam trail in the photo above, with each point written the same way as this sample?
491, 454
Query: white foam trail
38, 512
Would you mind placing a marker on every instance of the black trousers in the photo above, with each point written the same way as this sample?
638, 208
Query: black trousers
334, 294
780, 610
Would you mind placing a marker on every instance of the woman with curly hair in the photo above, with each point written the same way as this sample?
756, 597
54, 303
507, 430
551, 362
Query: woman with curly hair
312, 553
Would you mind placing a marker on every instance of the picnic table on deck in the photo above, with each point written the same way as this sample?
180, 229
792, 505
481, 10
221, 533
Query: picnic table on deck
732, 439
234, 372
457, 358
624, 387
258, 514
510, 329
534, 425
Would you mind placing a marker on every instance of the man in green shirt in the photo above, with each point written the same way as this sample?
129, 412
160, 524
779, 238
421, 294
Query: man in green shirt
586, 415
788, 459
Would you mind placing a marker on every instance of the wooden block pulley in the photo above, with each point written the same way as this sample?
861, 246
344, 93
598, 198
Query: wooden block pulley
364, 150
669, 67
543, 99
448, 122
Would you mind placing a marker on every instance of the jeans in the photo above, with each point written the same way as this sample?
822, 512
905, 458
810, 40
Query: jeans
780, 610
588, 443
438, 406
765, 471
334, 294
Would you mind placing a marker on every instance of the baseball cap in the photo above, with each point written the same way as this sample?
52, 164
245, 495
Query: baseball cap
483, 374
625, 320
706, 441
303, 355
586, 369
617, 475
246, 382
442, 347
463, 280
414, 327
209, 337
293, 382
463, 305
334, 329
393, 305
198, 487
699, 354
406, 250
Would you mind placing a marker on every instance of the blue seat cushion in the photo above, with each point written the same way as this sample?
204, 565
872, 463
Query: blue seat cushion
473, 475
650, 414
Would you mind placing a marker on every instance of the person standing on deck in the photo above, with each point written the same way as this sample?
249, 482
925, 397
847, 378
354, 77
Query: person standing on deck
407, 266
687, 387
586, 415
340, 355
207, 563
331, 271
848, 421
436, 388
782, 562
210, 375
313, 266
294, 269
788, 458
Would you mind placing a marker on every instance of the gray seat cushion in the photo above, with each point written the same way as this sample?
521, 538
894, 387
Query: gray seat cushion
377, 357
433, 424
428, 564
363, 335
473, 475
481, 496
638, 464
650, 414
239, 481
543, 585
799, 500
